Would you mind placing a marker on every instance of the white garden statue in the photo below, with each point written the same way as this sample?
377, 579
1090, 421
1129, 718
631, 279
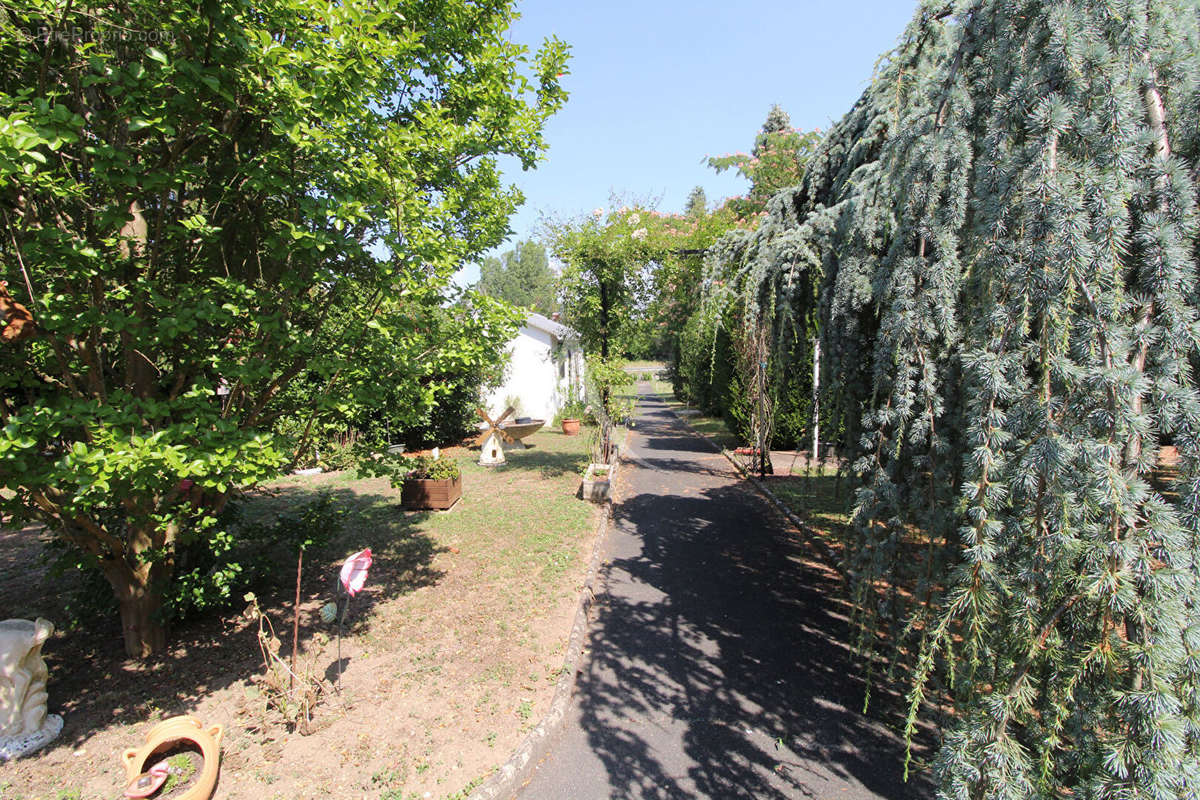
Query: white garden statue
24, 724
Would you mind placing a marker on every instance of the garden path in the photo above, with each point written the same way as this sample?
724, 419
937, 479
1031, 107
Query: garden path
719, 666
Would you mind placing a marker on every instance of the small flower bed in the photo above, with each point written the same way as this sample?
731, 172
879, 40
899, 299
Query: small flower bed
432, 469
398, 468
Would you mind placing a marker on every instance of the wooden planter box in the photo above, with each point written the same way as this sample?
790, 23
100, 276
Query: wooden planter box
429, 494
598, 488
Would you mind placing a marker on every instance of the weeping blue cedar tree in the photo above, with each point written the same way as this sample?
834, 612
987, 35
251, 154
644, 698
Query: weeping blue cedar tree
999, 246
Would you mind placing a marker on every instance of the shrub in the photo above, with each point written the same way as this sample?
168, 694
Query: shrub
397, 468
340, 453
211, 571
433, 469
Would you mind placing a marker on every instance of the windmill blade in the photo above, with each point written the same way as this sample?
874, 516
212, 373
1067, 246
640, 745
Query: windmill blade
494, 426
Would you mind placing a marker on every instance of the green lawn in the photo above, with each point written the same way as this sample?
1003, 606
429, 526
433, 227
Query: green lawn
656, 365
823, 501
712, 428
521, 513
451, 651
477, 606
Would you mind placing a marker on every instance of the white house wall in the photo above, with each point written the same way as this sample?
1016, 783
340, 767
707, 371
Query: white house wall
542, 382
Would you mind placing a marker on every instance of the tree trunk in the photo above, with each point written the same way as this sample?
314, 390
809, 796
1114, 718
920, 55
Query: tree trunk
816, 400
604, 320
141, 605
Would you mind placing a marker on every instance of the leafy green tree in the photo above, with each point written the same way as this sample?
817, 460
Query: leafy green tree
421, 385
462, 340
604, 284
202, 209
626, 273
775, 162
677, 284
697, 203
999, 243
521, 276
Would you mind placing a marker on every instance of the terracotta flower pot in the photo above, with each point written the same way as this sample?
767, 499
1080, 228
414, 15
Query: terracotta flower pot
570, 427
168, 735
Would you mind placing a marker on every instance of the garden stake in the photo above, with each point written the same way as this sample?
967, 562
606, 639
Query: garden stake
345, 610
350, 580
341, 618
296, 619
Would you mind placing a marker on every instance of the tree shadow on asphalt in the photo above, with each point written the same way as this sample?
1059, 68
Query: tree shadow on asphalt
722, 628
717, 466
661, 428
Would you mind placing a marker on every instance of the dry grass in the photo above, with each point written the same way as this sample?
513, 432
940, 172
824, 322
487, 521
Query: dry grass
452, 652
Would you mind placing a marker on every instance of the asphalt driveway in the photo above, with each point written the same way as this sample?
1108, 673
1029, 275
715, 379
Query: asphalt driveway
718, 664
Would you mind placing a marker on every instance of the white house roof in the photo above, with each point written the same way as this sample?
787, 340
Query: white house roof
556, 329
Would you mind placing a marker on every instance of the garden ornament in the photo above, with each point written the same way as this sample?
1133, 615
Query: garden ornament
354, 571
491, 440
351, 579
24, 724
169, 735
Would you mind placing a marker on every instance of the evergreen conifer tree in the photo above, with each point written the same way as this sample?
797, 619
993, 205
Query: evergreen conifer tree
778, 121
999, 244
776, 161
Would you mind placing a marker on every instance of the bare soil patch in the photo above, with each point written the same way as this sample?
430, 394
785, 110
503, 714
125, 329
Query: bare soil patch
451, 651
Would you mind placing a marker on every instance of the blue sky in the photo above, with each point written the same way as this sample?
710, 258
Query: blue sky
655, 87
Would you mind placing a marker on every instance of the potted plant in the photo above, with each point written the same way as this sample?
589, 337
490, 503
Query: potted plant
597, 482
429, 483
570, 417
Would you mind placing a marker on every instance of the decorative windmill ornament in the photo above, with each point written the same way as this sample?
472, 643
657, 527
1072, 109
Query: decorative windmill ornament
491, 440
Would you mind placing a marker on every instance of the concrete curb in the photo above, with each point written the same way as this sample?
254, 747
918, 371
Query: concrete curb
508, 778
